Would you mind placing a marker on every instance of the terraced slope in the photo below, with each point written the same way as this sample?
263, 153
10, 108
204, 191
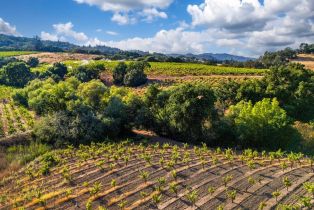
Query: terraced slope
14, 119
130, 176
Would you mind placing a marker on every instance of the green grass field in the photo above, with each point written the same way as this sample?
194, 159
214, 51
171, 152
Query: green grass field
183, 69
15, 53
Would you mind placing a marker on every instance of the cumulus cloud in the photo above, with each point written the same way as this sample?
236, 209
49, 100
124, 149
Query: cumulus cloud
62, 31
167, 41
112, 33
152, 13
47, 36
244, 27
66, 29
125, 12
7, 28
123, 19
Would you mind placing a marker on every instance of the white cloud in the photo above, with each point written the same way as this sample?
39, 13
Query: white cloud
124, 9
47, 36
66, 29
62, 31
243, 27
172, 41
126, 5
7, 28
123, 19
152, 13
112, 33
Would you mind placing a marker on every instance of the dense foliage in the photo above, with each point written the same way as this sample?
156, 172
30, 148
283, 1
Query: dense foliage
263, 124
131, 75
33, 62
85, 73
292, 85
185, 112
78, 112
57, 72
16, 74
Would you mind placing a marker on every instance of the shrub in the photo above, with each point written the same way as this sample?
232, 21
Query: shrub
32, 62
184, 112
15, 74
260, 125
57, 72
135, 75
293, 86
131, 75
85, 73
119, 72
62, 128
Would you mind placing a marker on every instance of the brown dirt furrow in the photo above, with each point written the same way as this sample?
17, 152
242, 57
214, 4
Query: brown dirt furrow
265, 192
197, 184
125, 171
221, 189
193, 173
77, 174
154, 173
143, 204
120, 178
251, 191
294, 198
272, 203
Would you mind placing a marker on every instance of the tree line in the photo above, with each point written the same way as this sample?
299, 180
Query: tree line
76, 107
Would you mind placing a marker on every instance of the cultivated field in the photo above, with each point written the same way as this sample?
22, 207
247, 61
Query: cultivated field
183, 69
13, 119
307, 60
134, 176
15, 53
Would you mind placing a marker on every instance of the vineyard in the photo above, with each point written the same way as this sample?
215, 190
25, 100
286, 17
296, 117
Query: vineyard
15, 53
14, 119
161, 176
181, 69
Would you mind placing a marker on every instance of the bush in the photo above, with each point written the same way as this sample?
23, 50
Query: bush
119, 72
184, 113
33, 62
57, 72
62, 128
262, 125
85, 73
293, 86
135, 75
92, 93
15, 74
132, 75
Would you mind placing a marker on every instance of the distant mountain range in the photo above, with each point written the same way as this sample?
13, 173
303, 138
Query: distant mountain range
36, 44
216, 56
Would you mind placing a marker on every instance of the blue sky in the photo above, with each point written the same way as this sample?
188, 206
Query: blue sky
246, 27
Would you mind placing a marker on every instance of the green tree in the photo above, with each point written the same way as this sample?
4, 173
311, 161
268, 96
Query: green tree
15, 74
293, 86
64, 127
85, 73
135, 75
33, 62
259, 125
57, 72
119, 72
92, 93
184, 112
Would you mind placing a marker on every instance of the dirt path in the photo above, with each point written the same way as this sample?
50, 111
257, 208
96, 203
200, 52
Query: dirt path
47, 57
305, 59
